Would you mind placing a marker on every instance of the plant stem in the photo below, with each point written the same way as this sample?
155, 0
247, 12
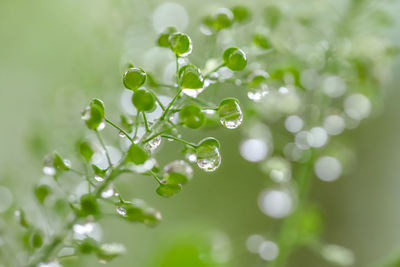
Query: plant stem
157, 99
146, 124
179, 140
214, 70
119, 129
155, 177
104, 147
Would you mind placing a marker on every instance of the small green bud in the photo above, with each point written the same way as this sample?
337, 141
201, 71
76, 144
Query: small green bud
60, 163
99, 172
168, 190
262, 41
240, 13
163, 38
41, 192
89, 205
191, 116
235, 59
138, 211
93, 115
134, 78
136, 154
85, 150
143, 101
223, 19
191, 77
88, 245
230, 114
180, 44
107, 252
36, 240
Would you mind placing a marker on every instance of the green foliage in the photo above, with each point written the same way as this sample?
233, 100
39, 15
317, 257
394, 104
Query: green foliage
235, 59
134, 78
192, 116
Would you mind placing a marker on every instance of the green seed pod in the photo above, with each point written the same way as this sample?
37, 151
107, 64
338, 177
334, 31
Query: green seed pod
191, 77
180, 44
99, 172
42, 192
235, 59
21, 218
241, 13
178, 172
85, 150
191, 116
143, 101
208, 156
134, 78
261, 41
36, 240
138, 211
230, 114
168, 190
136, 155
88, 245
223, 19
163, 38
59, 163
107, 252
93, 115
89, 205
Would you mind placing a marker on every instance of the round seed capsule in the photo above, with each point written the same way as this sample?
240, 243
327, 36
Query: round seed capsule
180, 44
223, 19
163, 38
191, 116
230, 113
235, 59
191, 77
134, 78
143, 100
168, 190
240, 13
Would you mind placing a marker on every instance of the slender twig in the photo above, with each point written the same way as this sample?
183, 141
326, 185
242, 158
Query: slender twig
157, 99
179, 140
119, 129
146, 124
104, 148
155, 177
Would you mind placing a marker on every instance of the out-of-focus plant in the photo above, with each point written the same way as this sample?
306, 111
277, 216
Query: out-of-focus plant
178, 106
310, 79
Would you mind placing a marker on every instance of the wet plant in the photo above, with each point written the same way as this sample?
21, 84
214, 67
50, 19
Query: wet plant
180, 106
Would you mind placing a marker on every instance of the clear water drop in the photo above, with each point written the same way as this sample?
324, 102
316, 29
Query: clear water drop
210, 164
232, 124
121, 211
121, 134
192, 92
49, 170
154, 143
109, 192
179, 166
99, 179
191, 157
101, 126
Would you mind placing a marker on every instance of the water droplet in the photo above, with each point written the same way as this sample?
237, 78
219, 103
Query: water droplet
257, 94
85, 114
154, 143
191, 157
101, 126
49, 170
49, 264
121, 134
107, 193
121, 211
317, 137
179, 166
357, 106
294, 124
210, 164
338, 255
99, 179
278, 169
192, 92
253, 242
334, 124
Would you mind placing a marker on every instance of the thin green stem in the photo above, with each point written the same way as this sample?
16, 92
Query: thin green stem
155, 177
214, 70
176, 96
104, 147
179, 140
157, 99
136, 126
166, 85
119, 129
155, 135
146, 124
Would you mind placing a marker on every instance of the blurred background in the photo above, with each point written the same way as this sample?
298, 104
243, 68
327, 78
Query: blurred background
57, 55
